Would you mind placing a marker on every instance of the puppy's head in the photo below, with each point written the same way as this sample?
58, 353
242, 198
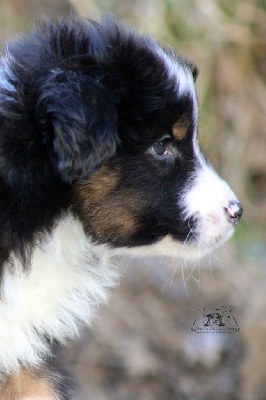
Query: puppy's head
118, 115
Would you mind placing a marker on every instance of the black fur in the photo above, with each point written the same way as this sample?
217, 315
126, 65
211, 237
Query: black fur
81, 93
82, 105
76, 96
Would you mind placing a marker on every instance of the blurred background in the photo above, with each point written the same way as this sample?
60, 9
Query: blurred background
141, 346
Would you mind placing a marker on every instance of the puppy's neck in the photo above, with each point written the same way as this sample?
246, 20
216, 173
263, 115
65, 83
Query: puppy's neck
68, 279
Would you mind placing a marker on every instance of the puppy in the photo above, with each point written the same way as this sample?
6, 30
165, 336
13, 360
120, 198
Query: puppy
99, 156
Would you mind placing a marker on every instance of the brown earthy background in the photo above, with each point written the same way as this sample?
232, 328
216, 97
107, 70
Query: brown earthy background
141, 346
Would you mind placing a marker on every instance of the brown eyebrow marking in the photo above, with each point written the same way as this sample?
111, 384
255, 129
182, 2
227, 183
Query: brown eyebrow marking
179, 129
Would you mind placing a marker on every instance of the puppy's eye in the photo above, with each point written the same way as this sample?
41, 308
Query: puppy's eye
160, 149
163, 148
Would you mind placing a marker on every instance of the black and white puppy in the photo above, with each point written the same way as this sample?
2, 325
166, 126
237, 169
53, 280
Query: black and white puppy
99, 157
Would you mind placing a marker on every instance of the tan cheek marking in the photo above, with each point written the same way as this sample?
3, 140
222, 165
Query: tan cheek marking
109, 212
27, 386
113, 220
94, 189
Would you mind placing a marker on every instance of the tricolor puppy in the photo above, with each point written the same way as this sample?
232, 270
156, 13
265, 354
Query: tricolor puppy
99, 156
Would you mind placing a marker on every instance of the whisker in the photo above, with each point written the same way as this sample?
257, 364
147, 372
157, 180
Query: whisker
199, 277
171, 275
193, 269
210, 264
184, 281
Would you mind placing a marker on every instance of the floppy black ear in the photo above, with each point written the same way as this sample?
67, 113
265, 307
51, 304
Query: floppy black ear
80, 123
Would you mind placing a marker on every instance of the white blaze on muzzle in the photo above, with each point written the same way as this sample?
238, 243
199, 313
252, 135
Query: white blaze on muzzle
212, 206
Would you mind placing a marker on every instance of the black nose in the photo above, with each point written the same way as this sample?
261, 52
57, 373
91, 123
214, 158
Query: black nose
234, 211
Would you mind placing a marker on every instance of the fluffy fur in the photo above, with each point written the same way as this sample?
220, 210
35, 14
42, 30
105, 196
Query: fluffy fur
99, 156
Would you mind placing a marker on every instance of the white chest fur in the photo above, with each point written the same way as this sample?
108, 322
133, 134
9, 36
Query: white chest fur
69, 278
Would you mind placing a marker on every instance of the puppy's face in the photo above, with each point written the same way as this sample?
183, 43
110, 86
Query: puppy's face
158, 193
119, 116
